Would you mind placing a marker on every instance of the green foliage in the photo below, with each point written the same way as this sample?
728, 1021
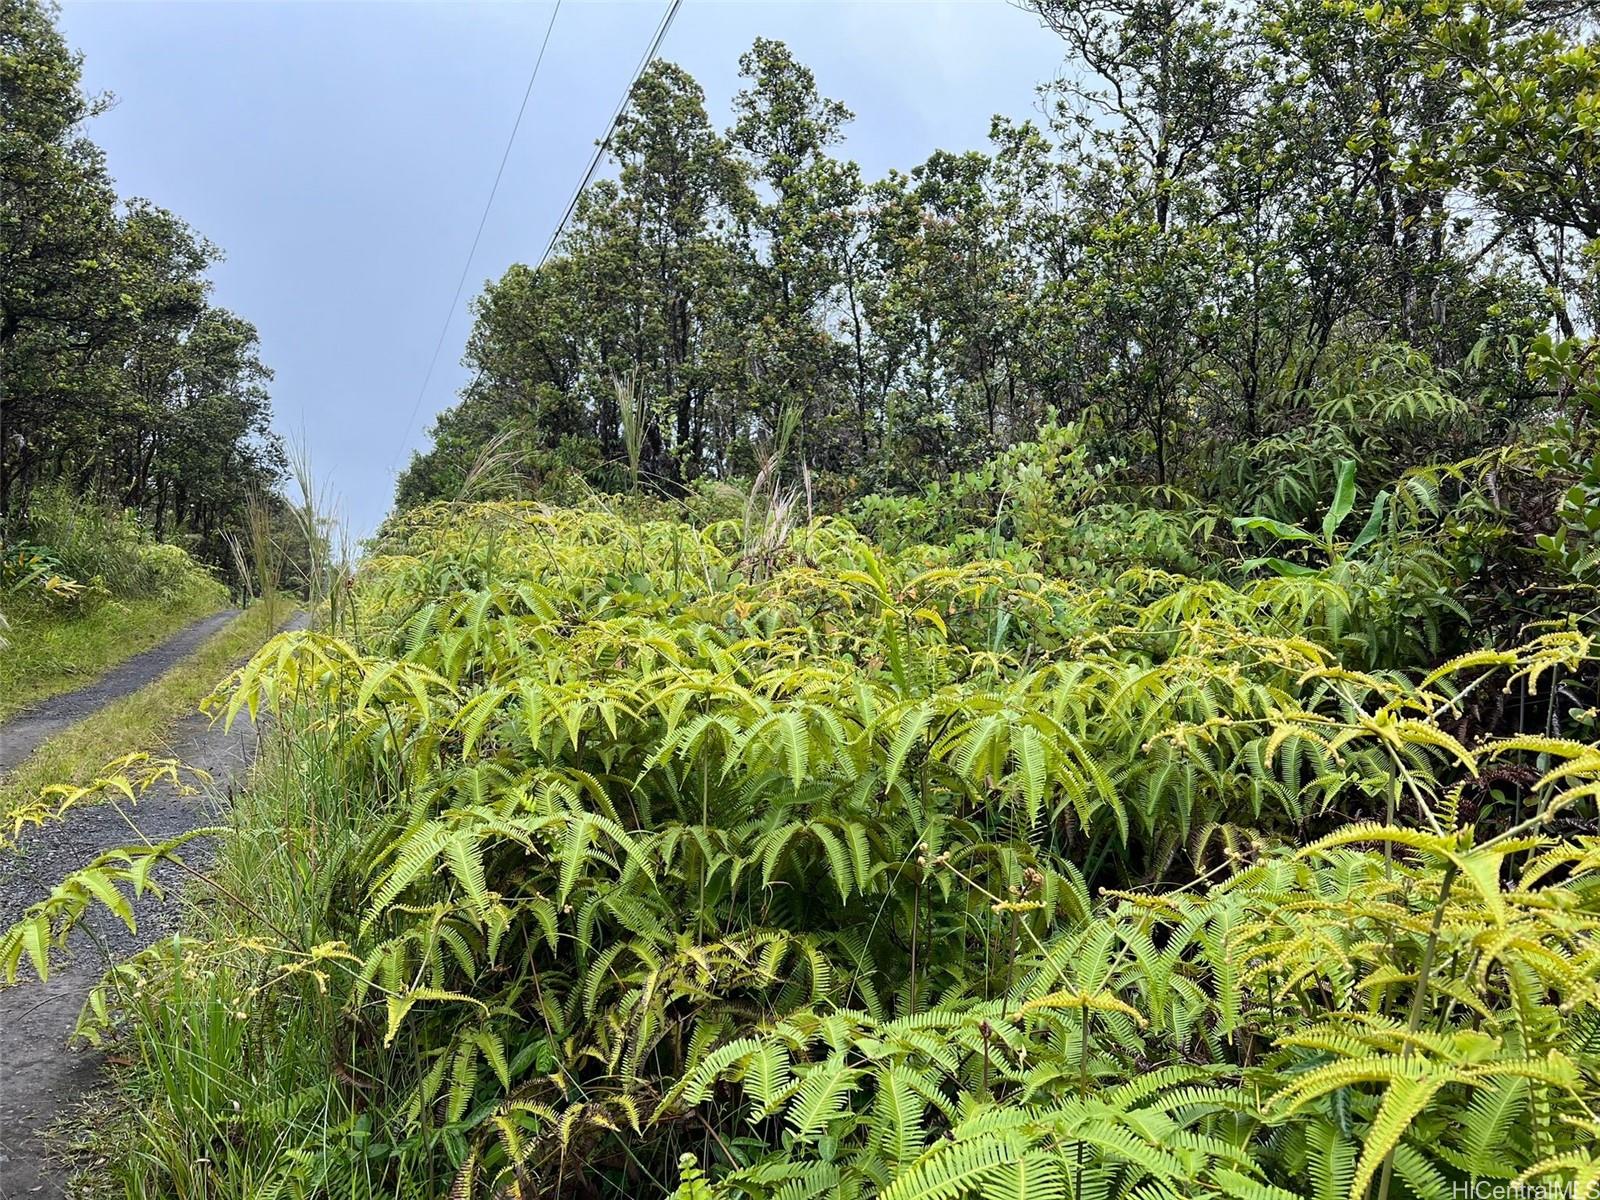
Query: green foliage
1567, 365
1241, 244
1048, 504
864, 873
119, 379
107, 551
1174, 778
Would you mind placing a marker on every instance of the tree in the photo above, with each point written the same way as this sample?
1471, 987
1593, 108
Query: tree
796, 230
659, 270
118, 377
1166, 88
1224, 214
58, 283
1529, 139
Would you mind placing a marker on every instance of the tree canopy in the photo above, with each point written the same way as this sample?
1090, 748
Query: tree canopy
120, 379
1226, 210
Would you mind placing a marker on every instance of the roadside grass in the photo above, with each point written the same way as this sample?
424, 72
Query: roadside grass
139, 721
52, 649
234, 1045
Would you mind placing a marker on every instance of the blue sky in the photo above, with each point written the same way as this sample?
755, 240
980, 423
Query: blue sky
340, 154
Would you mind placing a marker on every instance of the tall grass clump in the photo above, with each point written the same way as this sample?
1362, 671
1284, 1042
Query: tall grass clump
323, 558
296, 546
258, 551
236, 1036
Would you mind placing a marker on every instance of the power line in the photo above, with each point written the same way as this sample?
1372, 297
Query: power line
483, 220
604, 143
588, 176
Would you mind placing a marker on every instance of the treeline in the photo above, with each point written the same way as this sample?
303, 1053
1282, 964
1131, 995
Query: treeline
120, 380
1228, 212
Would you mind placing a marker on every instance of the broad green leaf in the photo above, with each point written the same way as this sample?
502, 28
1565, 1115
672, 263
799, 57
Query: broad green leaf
1344, 499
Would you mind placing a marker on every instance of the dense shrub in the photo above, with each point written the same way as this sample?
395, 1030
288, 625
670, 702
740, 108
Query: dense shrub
599, 842
101, 550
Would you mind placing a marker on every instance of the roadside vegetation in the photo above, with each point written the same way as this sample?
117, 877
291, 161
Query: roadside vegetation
87, 589
123, 382
1066, 674
134, 416
55, 649
616, 854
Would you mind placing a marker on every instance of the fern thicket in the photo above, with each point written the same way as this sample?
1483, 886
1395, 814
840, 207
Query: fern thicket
859, 873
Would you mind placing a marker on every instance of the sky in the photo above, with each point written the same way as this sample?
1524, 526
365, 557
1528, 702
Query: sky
340, 154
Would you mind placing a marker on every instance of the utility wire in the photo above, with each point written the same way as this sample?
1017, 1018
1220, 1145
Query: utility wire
483, 220
604, 143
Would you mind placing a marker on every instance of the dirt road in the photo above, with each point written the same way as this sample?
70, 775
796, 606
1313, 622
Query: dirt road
40, 1078
21, 735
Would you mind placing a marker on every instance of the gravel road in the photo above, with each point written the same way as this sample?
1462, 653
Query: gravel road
40, 1077
23, 733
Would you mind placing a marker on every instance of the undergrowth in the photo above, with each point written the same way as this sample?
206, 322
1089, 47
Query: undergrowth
85, 586
608, 857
